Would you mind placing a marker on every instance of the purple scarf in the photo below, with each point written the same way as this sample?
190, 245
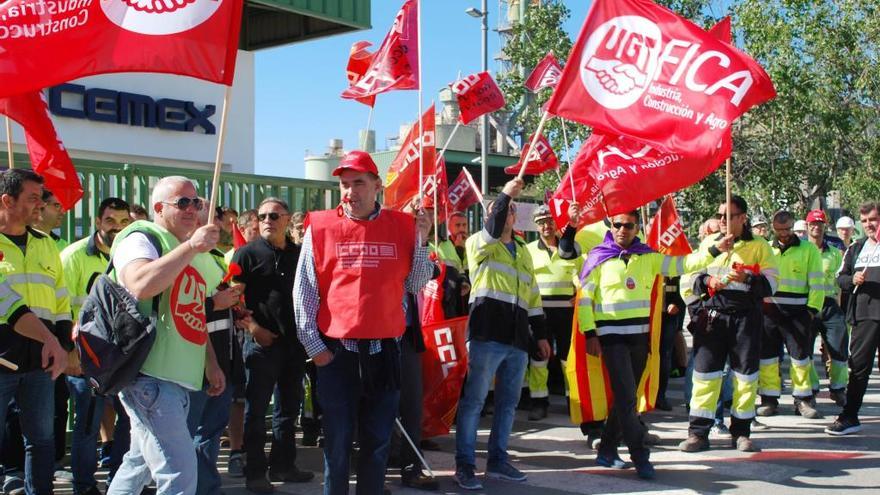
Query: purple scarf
609, 249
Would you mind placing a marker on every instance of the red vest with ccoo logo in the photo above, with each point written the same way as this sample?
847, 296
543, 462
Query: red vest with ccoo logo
361, 267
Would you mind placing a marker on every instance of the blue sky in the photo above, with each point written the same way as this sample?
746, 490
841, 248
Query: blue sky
298, 108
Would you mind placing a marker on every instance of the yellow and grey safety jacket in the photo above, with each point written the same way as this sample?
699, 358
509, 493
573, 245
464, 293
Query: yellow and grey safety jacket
832, 260
554, 274
82, 262
37, 276
449, 256
800, 277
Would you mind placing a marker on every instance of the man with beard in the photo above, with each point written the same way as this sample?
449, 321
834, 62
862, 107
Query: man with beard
82, 262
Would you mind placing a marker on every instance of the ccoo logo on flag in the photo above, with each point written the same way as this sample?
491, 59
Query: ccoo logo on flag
159, 17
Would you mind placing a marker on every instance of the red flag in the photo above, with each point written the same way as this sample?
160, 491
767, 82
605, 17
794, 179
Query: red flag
545, 75
444, 364
359, 61
47, 153
238, 240
439, 180
402, 181
542, 159
665, 233
461, 194
477, 95
51, 42
640, 70
396, 64
621, 174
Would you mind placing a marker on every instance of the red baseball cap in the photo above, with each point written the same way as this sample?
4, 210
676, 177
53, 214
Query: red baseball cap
359, 161
817, 216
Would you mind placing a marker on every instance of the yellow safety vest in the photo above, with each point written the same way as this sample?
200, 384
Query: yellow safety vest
800, 277
555, 276
754, 251
449, 256
496, 274
82, 262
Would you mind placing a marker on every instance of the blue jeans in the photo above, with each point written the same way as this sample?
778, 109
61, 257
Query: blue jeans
35, 394
345, 404
485, 361
161, 447
84, 444
208, 417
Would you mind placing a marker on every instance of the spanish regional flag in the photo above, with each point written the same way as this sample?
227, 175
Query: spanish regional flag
590, 394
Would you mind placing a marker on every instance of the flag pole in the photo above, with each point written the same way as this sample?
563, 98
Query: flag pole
476, 189
522, 169
568, 159
727, 185
421, 130
367, 133
9, 143
215, 184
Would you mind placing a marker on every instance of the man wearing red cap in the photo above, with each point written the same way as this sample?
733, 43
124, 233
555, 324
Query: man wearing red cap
354, 266
830, 322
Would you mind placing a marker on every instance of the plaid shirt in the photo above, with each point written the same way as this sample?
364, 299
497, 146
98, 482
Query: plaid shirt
307, 299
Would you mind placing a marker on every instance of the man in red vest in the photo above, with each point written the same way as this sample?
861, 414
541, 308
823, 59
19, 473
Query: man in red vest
354, 266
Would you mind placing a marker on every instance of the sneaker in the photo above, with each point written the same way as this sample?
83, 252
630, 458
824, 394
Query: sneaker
414, 477
610, 462
663, 405
235, 468
844, 426
757, 425
259, 485
744, 444
292, 475
593, 440
429, 445
805, 409
719, 432
505, 471
768, 407
651, 438
694, 443
538, 411
645, 470
838, 396
465, 477
104, 454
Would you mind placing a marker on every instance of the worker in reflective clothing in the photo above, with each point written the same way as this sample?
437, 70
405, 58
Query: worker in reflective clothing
788, 319
618, 284
727, 323
831, 323
452, 251
554, 271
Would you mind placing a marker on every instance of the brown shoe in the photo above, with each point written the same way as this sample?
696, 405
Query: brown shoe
414, 477
806, 409
768, 407
694, 443
744, 444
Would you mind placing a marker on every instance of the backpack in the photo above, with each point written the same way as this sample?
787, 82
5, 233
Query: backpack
114, 338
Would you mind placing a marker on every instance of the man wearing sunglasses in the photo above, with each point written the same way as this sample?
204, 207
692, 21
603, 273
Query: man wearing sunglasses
157, 400
728, 320
619, 279
273, 357
355, 264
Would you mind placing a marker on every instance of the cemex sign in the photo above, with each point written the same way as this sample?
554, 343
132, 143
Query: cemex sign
120, 107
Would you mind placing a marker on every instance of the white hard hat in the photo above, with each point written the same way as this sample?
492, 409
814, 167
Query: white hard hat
800, 225
845, 223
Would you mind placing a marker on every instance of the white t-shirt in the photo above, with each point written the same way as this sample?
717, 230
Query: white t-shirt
136, 246
869, 256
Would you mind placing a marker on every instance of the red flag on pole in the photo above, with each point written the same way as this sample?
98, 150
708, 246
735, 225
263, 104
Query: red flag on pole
438, 179
402, 181
238, 240
395, 65
461, 194
477, 95
665, 233
48, 43
47, 153
545, 75
359, 61
444, 365
539, 160
640, 70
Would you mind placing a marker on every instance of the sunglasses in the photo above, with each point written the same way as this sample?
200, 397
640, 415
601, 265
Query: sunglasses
723, 216
184, 203
271, 216
624, 225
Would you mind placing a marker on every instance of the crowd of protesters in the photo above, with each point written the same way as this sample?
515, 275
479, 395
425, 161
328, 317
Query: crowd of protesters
320, 320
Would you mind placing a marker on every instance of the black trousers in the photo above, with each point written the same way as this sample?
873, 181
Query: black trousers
863, 346
625, 357
411, 398
670, 326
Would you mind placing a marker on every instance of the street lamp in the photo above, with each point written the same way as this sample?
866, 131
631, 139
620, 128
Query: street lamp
483, 14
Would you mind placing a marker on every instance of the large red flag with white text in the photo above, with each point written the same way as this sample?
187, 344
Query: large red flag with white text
444, 365
477, 95
545, 75
640, 70
437, 180
538, 160
48, 42
402, 181
395, 65
461, 194
47, 153
665, 233
359, 60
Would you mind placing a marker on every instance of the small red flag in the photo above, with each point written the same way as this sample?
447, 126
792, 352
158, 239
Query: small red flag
359, 61
44, 43
665, 233
395, 65
540, 160
439, 180
477, 95
639, 70
461, 194
545, 75
47, 153
238, 239
402, 181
